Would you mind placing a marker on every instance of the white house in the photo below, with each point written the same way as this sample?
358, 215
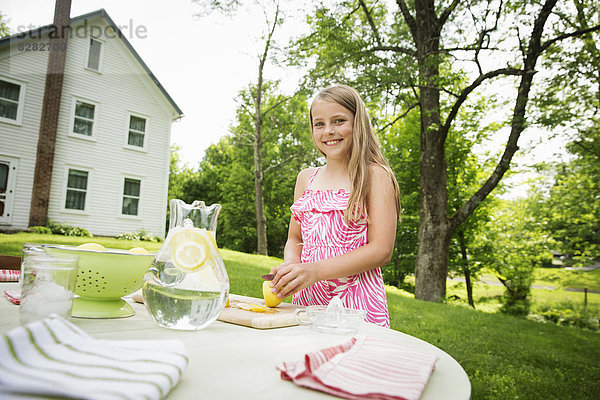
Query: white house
111, 154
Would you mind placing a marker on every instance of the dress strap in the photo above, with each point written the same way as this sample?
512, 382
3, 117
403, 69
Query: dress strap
312, 177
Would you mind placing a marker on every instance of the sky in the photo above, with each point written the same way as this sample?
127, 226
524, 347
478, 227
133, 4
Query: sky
204, 62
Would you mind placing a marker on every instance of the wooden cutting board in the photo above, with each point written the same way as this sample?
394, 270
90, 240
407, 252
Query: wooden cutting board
277, 317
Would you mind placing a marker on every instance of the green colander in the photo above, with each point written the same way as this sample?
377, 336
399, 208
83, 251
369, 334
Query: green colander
103, 278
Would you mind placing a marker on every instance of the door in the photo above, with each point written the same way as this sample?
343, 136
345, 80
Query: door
8, 174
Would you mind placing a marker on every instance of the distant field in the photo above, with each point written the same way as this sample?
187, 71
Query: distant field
559, 277
487, 297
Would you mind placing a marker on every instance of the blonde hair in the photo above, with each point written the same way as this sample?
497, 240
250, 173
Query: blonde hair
365, 150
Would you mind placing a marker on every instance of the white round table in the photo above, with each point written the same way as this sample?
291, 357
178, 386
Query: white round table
229, 361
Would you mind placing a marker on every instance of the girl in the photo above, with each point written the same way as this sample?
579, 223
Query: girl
344, 215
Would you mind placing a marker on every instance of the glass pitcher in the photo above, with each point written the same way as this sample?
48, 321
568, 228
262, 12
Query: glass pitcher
187, 285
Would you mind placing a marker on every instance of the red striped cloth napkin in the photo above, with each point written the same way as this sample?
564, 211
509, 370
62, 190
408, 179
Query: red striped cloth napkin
14, 296
363, 368
9, 275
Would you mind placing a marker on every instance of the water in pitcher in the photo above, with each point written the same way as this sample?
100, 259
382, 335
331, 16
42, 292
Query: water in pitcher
184, 309
187, 285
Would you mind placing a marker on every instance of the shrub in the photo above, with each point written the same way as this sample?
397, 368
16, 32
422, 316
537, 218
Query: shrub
515, 300
141, 235
128, 236
514, 306
44, 230
67, 230
567, 314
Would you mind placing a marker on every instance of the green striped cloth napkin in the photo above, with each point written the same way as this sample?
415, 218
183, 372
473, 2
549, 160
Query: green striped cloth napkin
53, 357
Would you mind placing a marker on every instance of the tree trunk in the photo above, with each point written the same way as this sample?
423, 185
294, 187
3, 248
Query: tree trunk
261, 220
431, 266
465, 268
467, 274
434, 230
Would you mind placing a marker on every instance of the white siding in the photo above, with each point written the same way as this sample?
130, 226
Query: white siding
120, 89
20, 141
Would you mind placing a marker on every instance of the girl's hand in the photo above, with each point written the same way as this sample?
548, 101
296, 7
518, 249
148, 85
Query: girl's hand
291, 277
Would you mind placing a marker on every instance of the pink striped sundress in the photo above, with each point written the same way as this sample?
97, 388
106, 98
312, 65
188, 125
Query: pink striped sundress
325, 234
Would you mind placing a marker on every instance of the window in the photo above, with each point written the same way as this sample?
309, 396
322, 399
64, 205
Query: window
95, 54
76, 189
83, 121
137, 131
131, 196
11, 99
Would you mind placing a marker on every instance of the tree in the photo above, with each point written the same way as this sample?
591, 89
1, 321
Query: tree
402, 140
571, 202
417, 57
178, 179
400, 143
516, 242
466, 170
467, 249
259, 114
273, 19
206, 184
286, 148
225, 174
175, 173
570, 208
4, 29
571, 101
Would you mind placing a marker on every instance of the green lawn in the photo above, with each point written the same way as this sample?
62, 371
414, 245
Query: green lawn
504, 357
11, 244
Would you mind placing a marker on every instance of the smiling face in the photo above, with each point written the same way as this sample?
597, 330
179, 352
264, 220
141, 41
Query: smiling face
332, 126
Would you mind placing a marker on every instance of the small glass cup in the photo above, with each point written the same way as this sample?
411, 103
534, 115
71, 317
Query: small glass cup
48, 286
29, 249
320, 318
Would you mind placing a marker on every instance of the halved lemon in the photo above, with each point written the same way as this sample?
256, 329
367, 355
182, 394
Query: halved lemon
138, 250
92, 246
190, 249
271, 300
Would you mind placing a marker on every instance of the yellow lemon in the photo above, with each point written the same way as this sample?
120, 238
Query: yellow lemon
271, 300
251, 307
138, 250
190, 249
92, 246
189, 256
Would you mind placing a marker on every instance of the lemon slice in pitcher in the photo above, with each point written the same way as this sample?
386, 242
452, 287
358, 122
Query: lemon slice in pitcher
190, 249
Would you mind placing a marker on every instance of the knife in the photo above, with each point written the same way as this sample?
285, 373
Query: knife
268, 277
